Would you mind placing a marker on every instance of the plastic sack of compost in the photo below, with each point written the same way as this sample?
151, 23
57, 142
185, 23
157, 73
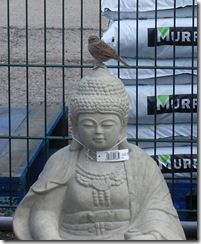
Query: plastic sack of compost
159, 105
129, 9
170, 38
164, 80
144, 135
181, 160
146, 69
179, 168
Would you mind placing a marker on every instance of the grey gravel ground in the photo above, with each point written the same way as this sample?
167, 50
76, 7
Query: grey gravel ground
7, 235
32, 49
18, 50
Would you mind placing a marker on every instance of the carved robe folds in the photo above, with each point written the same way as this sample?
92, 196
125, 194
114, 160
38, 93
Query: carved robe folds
129, 198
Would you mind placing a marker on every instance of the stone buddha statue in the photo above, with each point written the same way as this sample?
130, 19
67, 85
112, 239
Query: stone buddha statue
99, 187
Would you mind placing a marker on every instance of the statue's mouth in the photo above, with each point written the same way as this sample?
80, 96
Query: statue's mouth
98, 139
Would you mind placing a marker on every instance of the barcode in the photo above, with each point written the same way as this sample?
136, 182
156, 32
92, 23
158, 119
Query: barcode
112, 155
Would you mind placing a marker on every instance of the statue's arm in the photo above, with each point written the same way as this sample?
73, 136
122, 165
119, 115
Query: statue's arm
156, 218
45, 215
136, 234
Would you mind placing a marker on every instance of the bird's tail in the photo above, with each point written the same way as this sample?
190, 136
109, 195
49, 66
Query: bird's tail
123, 62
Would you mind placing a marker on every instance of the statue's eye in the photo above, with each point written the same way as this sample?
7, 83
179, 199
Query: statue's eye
108, 124
87, 124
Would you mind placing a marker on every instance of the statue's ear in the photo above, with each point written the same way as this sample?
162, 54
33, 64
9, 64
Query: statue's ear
74, 146
122, 133
124, 144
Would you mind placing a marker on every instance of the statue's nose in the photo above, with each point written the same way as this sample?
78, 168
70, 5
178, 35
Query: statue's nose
98, 130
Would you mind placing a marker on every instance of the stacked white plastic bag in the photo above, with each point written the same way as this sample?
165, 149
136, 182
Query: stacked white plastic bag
162, 85
146, 9
163, 33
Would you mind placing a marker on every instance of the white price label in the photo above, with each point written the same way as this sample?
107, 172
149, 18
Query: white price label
113, 155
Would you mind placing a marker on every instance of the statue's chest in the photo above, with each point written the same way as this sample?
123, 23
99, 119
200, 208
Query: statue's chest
101, 186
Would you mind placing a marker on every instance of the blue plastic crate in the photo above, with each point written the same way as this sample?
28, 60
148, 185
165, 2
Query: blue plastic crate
184, 196
17, 169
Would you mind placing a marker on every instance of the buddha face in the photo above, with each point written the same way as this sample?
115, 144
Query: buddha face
99, 131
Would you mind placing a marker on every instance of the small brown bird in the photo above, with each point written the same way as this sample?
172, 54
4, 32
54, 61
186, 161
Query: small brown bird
102, 52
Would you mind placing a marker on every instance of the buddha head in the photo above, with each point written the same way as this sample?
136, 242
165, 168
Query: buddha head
99, 111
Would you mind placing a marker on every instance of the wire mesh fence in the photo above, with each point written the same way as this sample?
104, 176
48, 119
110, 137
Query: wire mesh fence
44, 53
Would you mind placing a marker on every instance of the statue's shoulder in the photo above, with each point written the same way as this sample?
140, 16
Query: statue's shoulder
136, 150
60, 160
138, 155
58, 157
61, 152
56, 171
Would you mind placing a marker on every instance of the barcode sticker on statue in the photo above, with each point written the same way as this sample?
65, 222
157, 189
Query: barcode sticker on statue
114, 155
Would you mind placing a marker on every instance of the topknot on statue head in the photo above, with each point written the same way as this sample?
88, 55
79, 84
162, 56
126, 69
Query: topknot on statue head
99, 92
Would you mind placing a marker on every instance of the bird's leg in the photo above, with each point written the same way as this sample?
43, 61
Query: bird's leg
99, 65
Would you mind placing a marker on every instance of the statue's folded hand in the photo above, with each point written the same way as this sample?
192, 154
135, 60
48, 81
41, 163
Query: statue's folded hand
135, 234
